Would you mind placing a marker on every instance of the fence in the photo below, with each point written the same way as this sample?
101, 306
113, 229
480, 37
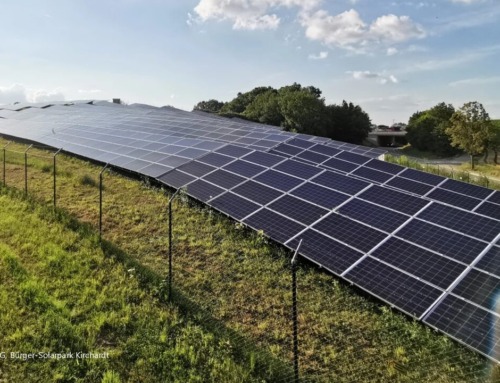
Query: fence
238, 285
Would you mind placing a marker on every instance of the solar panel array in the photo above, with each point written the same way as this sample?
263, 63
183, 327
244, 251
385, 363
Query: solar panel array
425, 244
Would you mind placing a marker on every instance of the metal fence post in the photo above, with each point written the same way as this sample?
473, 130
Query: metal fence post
100, 202
55, 155
26, 170
170, 244
294, 315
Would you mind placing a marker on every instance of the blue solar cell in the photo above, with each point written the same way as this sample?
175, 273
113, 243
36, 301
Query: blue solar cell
462, 221
287, 149
274, 225
320, 195
208, 145
490, 209
454, 245
176, 179
352, 157
155, 170
425, 178
326, 150
393, 199
423, 264
215, 159
466, 322
312, 157
384, 166
197, 169
243, 168
299, 210
223, 179
135, 165
234, 205
203, 191
325, 251
300, 143
257, 192
490, 261
298, 169
278, 180
340, 182
343, 166
233, 150
495, 197
372, 175
402, 290
352, 233
480, 288
262, 158
454, 199
467, 189
170, 149
376, 216
409, 185
173, 161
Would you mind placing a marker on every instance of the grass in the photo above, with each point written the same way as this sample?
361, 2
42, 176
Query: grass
60, 293
227, 277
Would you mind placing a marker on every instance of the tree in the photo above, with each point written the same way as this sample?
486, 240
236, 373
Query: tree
242, 100
347, 122
494, 142
211, 106
470, 129
265, 109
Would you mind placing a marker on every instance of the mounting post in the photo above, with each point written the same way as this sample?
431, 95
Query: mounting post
294, 262
54, 159
170, 244
4, 160
26, 169
100, 201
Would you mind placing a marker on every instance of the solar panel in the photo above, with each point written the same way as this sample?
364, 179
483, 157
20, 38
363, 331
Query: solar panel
243, 168
197, 169
298, 169
274, 225
379, 217
288, 149
372, 175
351, 233
264, 159
203, 191
224, 179
490, 209
343, 166
454, 245
421, 263
297, 209
454, 199
326, 251
176, 179
490, 261
384, 166
312, 156
278, 180
425, 178
462, 221
326, 150
320, 195
467, 323
495, 197
257, 192
398, 201
234, 205
215, 159
409, 186
339, 182
467, 189
351, 157
397, 288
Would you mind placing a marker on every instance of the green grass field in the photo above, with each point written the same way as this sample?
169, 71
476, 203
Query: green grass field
231, 288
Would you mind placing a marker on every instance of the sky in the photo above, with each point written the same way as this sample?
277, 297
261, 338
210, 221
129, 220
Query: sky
392, 58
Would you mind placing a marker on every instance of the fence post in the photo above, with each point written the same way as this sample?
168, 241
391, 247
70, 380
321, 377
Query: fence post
55, 155
170, 244
100, 202
26, 170
294, 315
4, 160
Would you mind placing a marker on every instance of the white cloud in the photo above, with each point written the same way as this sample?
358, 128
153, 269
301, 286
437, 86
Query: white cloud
321, 56
392, 51
347, 30
19, 93
367, 75
466, 1
247, 14
476, 81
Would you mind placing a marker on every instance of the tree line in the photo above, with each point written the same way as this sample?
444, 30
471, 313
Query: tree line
445, 131
296, 108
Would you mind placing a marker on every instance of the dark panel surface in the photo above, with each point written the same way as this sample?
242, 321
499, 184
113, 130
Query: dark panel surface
176, 179
454, 199
398, 201
224, 179
297, 209
403, 291
320, 195
298, 169
409, 185
340, 182
278, 180
341, 165
372, 175
490, 262
234, 205
426, 178
480, 288
244, 169
490, 209
277, 227
203, 191
467, 189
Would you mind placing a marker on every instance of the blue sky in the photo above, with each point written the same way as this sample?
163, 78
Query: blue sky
391, 57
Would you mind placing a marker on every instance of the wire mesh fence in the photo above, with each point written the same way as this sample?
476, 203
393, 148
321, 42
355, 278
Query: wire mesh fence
237, 284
